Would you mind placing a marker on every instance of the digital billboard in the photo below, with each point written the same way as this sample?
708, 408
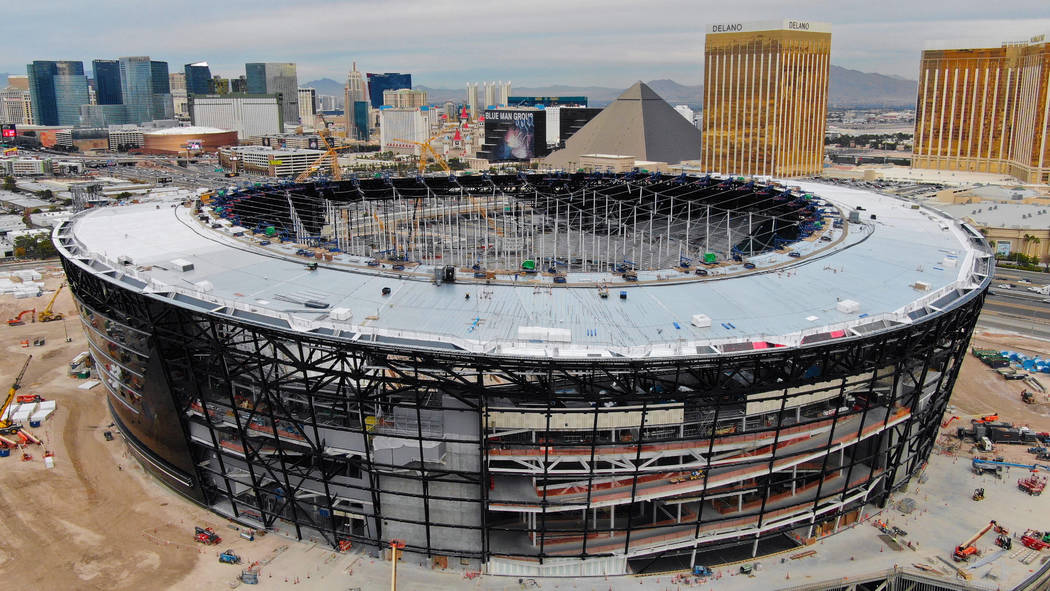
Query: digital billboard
8, 131
514, 135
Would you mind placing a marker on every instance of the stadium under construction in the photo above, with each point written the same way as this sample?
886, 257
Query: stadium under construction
548, 374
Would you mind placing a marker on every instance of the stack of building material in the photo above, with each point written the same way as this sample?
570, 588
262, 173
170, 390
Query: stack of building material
27, 274
19, 285
43, 412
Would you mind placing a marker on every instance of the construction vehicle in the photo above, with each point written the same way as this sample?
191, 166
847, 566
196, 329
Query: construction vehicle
1035, 540
47, 315
986, 419
949, 422
424, 148
982, 465
228, 557
1033, 485
17, 320
1027, 397
331, 157
4, 422
968, 549
702, 571
206, 536
1004, 541
978, 494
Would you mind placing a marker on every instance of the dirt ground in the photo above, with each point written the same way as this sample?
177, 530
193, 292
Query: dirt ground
980, 391
96, 520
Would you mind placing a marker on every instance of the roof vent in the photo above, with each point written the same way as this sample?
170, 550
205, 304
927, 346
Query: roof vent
701, 320
340, 314
181, 265
848, 306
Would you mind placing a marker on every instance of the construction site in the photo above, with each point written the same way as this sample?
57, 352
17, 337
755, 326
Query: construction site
618, 472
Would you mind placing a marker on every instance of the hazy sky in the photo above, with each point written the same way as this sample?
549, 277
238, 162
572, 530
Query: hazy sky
446, 43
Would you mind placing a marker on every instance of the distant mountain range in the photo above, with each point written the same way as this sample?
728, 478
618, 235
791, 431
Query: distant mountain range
849, 88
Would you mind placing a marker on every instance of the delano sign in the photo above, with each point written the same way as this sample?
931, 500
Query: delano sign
784, 25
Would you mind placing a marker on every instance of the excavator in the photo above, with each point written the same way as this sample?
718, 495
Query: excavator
46, 315
17, 320
986, 419
967, 549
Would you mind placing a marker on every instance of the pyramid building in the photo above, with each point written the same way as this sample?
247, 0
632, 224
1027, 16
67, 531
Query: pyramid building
638, 123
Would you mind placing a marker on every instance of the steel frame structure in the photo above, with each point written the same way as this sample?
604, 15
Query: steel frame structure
537, 466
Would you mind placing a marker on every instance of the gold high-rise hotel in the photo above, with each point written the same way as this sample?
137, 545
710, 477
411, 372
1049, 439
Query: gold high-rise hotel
765, 98
985, 110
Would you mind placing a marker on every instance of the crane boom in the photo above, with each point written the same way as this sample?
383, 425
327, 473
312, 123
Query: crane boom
425, 147
46, 315
967, 548
11, 393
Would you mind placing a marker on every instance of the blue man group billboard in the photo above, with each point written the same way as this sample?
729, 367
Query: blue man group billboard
512, 135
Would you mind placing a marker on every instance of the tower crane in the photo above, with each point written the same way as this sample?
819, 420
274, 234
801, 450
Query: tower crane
331, 157
425, 147
46, 315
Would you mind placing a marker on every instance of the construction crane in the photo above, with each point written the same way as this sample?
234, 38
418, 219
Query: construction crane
331, 157
424, 148
4, 422
18, 319
967, 549
46, 315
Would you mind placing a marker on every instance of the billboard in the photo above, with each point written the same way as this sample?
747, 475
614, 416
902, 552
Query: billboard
8, 131
512, 135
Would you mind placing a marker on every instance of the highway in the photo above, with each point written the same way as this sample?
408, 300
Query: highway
1012, 307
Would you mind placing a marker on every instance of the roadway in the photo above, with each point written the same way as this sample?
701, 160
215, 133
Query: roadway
1012, 307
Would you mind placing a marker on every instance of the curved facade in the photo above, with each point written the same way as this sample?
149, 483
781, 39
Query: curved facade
534, 462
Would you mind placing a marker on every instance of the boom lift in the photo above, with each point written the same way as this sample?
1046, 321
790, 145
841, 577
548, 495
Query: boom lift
395, 554
46, 315
964, 551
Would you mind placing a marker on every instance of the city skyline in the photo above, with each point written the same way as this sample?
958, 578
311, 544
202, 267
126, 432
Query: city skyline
447, 45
